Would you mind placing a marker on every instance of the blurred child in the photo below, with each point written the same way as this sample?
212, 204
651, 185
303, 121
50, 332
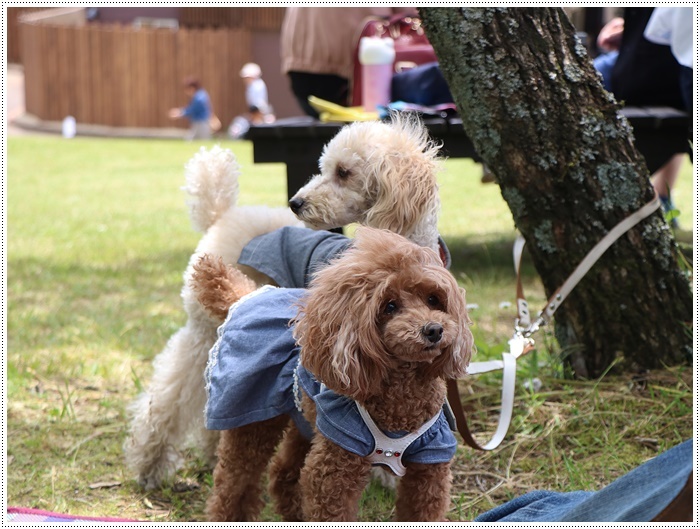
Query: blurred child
256, 95
259, 109
198, 111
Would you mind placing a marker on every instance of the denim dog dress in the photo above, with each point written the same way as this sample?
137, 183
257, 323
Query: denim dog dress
250, 372
253, 370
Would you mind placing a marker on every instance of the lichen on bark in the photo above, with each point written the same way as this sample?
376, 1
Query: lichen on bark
533, 105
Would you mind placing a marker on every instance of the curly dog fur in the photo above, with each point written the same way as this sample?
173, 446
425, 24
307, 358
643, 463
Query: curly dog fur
385, 325
378, 174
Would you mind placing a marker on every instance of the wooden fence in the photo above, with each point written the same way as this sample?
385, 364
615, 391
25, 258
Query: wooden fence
253, 18
12, 15
125, 77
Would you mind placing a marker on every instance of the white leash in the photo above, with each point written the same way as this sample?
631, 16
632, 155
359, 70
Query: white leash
521, 342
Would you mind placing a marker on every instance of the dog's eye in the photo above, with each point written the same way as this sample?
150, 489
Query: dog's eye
434, 302
342, 172
391, 307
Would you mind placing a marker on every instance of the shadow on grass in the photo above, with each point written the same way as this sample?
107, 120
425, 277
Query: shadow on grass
493, 253
131, 306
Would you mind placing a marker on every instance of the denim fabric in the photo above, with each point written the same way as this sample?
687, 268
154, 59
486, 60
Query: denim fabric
338, 419
251, 366
638, 496
536, 506
291, 255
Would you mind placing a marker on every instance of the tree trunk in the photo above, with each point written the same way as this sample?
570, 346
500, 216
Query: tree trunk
563, 156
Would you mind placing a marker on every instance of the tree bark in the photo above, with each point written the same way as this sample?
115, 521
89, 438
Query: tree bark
565, 161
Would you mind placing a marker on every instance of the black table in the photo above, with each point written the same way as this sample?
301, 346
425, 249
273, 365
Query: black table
660, 132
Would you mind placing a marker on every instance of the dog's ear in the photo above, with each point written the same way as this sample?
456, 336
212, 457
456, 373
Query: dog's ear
406, 178
337, 330
453, 362
406, 193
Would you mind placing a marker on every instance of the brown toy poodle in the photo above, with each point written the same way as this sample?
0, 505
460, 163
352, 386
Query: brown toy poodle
356, 380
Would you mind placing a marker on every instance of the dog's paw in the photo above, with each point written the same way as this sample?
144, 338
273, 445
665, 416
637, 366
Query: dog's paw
148, 482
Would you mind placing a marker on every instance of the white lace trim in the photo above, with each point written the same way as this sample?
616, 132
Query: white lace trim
214, 351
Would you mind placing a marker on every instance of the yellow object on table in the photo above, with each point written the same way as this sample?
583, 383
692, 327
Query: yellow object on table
331, 112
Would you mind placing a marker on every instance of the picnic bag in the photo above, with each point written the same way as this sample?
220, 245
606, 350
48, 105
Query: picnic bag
423, 85
410, 43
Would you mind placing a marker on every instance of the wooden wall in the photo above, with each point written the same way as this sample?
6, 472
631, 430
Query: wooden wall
253, 18
13, 48
120, 76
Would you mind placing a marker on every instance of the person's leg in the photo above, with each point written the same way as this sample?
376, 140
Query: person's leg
638, 496
199, 130
686, 80
643, 493
328, 87
299, 84
663, 181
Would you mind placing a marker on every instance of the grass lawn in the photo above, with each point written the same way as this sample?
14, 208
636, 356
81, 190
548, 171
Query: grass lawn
97, 238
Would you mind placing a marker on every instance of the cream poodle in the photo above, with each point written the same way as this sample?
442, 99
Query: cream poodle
374, 173
378, 174
376, 336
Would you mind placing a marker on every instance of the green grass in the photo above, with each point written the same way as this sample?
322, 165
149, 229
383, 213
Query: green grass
97, 239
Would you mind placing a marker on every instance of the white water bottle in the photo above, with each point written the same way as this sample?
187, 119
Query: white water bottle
377, 59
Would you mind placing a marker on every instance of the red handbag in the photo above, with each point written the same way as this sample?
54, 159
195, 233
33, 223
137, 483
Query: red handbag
410, 43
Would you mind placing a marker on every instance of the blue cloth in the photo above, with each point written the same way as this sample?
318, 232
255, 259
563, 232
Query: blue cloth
250, 378
423, 85
199, 108
250, 372
292, 255
604, 64
638, 496
298, 253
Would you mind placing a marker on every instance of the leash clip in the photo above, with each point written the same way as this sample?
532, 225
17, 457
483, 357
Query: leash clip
519, 344
522, 342
528, 330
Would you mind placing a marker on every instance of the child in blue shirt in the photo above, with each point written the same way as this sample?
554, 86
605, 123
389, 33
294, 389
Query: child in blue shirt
198, 111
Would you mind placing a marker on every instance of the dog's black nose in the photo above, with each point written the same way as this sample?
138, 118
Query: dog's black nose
296, 204
433, 332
